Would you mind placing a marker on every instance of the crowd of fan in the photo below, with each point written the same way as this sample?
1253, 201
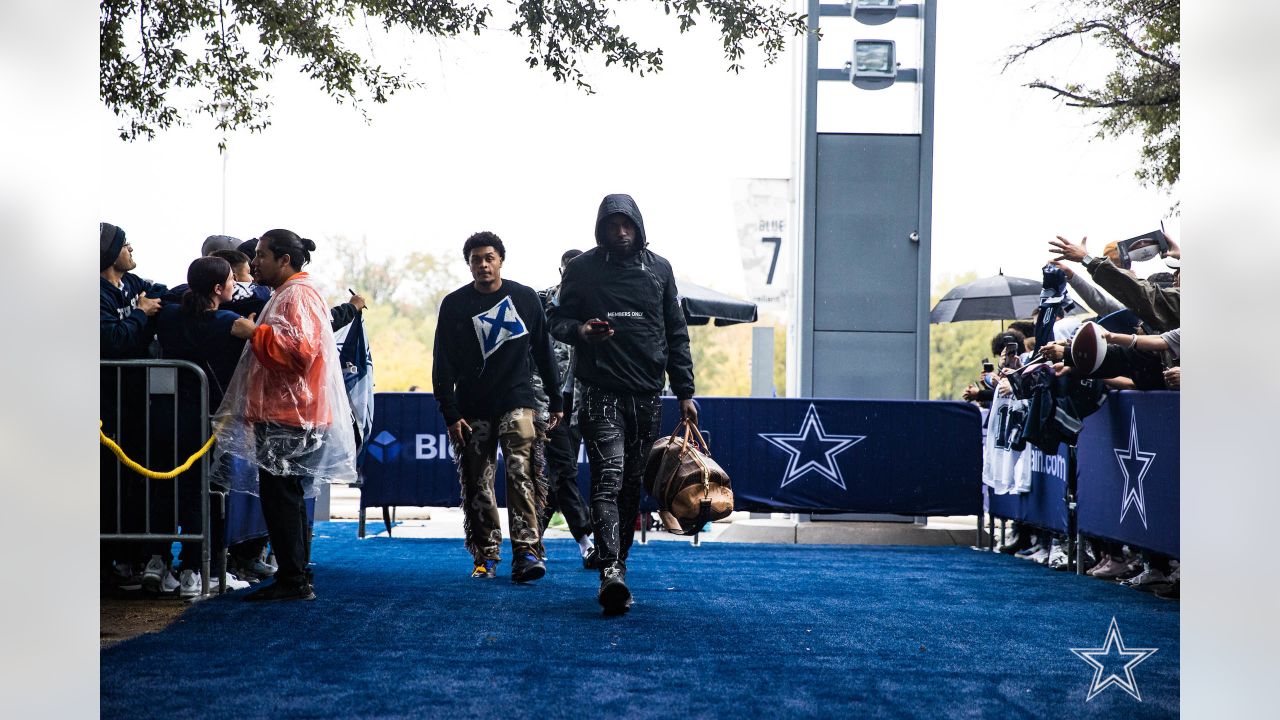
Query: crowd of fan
1139, 322
206, 321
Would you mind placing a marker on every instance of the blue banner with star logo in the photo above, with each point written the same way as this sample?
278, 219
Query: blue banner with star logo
836, 456
782, 455
1127, 471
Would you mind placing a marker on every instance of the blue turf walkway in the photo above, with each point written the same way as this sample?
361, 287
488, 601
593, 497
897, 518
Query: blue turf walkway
721, 630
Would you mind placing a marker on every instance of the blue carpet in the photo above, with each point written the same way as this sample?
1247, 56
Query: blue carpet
721, 630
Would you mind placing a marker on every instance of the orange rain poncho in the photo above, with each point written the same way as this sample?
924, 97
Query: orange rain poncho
286, 409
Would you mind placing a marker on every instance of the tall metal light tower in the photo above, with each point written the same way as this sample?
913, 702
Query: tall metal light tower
865, 213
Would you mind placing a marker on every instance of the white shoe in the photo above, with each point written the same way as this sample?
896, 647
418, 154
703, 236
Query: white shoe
1147, 578
153, 576
170, 583
189, 584
1058, 559
233, 583
1040, 556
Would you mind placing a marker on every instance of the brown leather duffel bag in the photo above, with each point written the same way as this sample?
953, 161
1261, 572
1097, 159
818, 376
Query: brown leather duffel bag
690, 487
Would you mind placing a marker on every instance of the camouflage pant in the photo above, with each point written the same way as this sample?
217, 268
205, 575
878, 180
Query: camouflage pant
477, 469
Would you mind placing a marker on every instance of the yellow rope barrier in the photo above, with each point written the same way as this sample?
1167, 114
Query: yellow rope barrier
129, 462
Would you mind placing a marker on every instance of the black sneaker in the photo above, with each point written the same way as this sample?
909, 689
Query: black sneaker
282, 591
1015, 542
591, 561
614, 596
527, 568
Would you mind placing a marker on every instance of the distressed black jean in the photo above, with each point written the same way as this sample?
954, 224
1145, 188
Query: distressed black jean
619, 429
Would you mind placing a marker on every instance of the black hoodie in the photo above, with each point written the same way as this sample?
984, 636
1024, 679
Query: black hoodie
637, 295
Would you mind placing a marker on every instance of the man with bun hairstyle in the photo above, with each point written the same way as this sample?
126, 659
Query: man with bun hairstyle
286, 409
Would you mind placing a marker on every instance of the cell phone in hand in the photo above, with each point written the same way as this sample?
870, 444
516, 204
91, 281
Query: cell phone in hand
598, 325
987, 367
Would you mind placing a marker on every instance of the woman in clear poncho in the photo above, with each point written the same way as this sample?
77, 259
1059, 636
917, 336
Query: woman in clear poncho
286, 410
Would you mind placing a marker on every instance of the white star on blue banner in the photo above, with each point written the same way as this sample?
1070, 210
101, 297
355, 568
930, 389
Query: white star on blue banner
803, 454
1134, 494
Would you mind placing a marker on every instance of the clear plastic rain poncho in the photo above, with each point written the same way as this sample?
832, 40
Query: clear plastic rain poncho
286, 409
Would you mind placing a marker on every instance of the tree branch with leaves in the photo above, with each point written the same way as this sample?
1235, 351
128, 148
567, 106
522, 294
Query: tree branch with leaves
1142, 93
161, 61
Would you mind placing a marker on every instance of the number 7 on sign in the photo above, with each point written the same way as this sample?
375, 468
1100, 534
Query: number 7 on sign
773, 264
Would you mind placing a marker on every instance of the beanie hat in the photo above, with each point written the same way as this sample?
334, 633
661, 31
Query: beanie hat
111, 239
249, 247
213, 243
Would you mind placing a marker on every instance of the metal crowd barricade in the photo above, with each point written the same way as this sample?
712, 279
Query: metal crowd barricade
161, 378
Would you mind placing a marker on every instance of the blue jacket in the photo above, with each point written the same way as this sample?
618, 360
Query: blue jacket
125, 331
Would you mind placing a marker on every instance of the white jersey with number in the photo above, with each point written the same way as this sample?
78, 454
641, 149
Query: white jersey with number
1004, 469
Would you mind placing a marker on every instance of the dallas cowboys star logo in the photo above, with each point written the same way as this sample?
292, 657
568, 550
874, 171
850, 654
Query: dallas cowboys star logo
809, 444
497, 325
1096, 657
1133, 488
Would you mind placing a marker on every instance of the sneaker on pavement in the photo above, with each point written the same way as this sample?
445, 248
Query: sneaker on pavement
282, 591
527, 568
485, 569
1058, 559
1015, 542
153, 576
188, 584
1118, 568
1147, 580
1040, 556
123, 576
614, 596
1132, 569
1032, 548
233, 583
1102, 566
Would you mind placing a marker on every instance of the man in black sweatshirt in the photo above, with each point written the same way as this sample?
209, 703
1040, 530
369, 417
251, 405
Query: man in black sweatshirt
484, 337
619, 308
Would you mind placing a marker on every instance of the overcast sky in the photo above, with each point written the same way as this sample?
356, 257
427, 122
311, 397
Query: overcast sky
491, 144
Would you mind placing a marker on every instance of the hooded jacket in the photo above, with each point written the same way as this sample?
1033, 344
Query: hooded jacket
637, 295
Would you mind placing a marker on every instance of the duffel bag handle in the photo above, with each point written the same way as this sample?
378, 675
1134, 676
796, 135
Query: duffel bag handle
693, 432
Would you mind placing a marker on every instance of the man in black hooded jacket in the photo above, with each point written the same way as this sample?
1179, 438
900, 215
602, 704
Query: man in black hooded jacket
619, 307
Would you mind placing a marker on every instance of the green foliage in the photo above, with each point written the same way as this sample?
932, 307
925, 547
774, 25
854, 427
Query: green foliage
222, 52
956, 349
1142, 93
404, 295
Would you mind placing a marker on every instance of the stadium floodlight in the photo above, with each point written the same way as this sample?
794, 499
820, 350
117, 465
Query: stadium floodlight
874, 60
874, 12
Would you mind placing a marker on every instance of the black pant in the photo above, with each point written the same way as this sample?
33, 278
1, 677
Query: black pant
562, 473
619, 430
285, 511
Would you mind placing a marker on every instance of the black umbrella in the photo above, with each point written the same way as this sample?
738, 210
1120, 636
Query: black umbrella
999, 297
702, 305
